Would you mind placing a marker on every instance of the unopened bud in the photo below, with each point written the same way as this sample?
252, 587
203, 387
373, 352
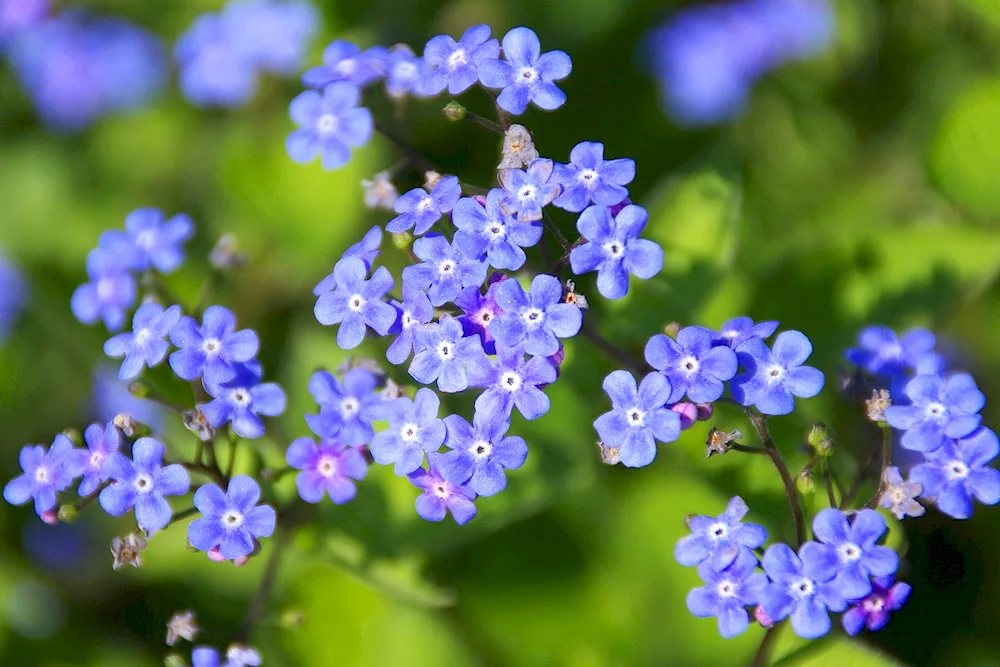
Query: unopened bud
402, 240
174, 660
672, 329
138, 389
292, 619
876, 406
820, 441
67, 513
761, 617
454, 110
806, 483
51, 517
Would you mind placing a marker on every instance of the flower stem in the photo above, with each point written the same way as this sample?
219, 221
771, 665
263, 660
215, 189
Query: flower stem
763, 654
255, 612
760, 425
886, 460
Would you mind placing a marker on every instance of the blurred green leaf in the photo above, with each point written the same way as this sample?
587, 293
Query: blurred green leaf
836, 651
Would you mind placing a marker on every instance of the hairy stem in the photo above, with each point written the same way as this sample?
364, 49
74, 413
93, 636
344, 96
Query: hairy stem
760, 425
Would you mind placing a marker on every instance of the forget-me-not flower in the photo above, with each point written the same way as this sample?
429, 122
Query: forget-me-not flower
774, 377
442, 353
959, 471
348, 408
357, 302
718, 541
420, 209
214, 350
491, 230
727, 593
330, 124
416, 309
526, 74
536, 318
638, 417
511, 381
46, 473
691, 364
414, 428
242, 399
445, 270
329, 468
801, 587
150, 240
854, 545
146, 345
441, 496
102, 442
589, 178
110, 292
614, 249
455, 65
142, 483
529, 190
940, 409
480, 453
232, 520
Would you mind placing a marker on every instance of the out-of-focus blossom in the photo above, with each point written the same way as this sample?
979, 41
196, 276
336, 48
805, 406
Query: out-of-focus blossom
13, 294
18, 15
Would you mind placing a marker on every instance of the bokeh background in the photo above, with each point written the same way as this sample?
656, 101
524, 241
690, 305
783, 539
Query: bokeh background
856, 186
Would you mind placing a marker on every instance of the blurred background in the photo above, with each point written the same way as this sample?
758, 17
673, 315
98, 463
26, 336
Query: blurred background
828, 166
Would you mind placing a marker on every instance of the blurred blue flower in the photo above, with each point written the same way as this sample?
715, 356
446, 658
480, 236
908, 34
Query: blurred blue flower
13, 295
150, 240
45, 474
18, 15
111, 398
330, 124
109, 294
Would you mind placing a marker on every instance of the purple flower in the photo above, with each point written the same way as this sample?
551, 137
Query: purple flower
404, 72
614, 249
440, 495
214, 350
899, 496
801, 587
479, 311
537, 318
420, 209
142, 483
492, 231
957, 472
18, 15
479, 454
357, 302
526, 74
529, 190
46, 473
442, 354
110, 292
881, 352
414, 428
940, 409
329, 468
93, 462
346, 410
344, 62
444, 271
415, 310
638, 417
232, 520
149, 240
511, 381
330, 125
241, 400
691, 364
589, 178
727, 593
854, 547
774, 377
367, 250
738, 330
146, 345
873, 611
454, 65
716, 542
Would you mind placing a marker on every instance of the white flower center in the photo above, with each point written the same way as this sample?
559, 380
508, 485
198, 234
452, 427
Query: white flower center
211, 346
718, 531
346, 67
405, 69
802, 588
146, 239
142, 336
41, 475
96, 460
143, 483
874, 604
533, 317
958, 470
481, 449
457, 57
240, 397
441, 490
526, 193
775, 373
689, 365
496, 230
446, 268
849, 552
356, 303
232, 519
726, 589
445, 350
588, 177
528, 76
327, 466
614, 249
349, 406
105, 289
511, 381
326, 124
409, 432
936, 410
636, 417
408, 320
426, 204
484, 316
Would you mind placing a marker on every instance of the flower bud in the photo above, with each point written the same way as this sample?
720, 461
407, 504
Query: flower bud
402, 240
672, 329
138, 389
454, 110
67, 513
50, 517
820, 441
806, 483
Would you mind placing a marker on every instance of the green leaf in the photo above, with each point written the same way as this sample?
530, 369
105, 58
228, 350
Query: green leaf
836, 651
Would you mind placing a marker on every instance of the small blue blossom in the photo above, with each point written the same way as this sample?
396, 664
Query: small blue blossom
940, 409
444, 271
881, 352
414, 428
479, 311
440, 495
442, 353
691, 364
529, 190
142, 483
638, 417
511, 381
357, 302
774, 377
854, 545
493, 231
147, 344
344, 62
526, 74
958, 471
46, 473
801, 587
329, 468
347, 409
738, 330
537, 318
420, 209
404, 72
416, 309
236, 656
331, 123
367, 250
873, 611
480, 453
149, 240
110, 292
241, 400
92, 462
614, 249
455, 65
232, 520
214, 350
718, 541
589, 178
727, 593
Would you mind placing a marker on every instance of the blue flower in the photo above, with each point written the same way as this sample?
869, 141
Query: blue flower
881, 352
738, 330
440, 495
511, 381
940, 409
149, 240
212, 71
442, 354
142, 483
420, 209
801, 587
638, 417
330, 125
727, 593
691, 364
774, 377
526, 74
958, 471
357, 302
479, 311
236, 656
329, 468
214, 350
346, 410
270, 34
718, 541
454, 65
873, 611
479, 454
537, 318
92, 462
614, 249
415, 310
12, 297
444, 271
529, 190
589, 178
110, 292
414, 428
367, 250
46, 473
241, 400
344, 62
232, 520
19, 15
854, 546
147, 344
493, 231
404, 72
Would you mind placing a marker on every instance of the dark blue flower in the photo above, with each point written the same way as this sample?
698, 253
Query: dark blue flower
444, 271
537, 318
242, 399
443, 352
493, 231
614, 249
414, 428
344, 62
149, 240
529, 190
691, 364
873, 611
367, 250
638, 417
855, 546
881, 352
214, 350
958, 471
102, 442
717, 541
46, 473
727, 593
330, 125
420, 209
232, 520
142, 483
440, 495
455, 65
480, 453
327, 469
347, 409
940, 409
738, 330
415, 310
526, 73
511, 381
110, 292
357, 302
801, 587
479, 311
589, 178
147, 344
774, 377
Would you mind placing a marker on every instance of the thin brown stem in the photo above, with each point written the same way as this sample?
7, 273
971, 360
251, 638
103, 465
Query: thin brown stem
183, 514
744, 448
484, 122
763, 655
547, 221
859, 479
591, 334
760, 425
